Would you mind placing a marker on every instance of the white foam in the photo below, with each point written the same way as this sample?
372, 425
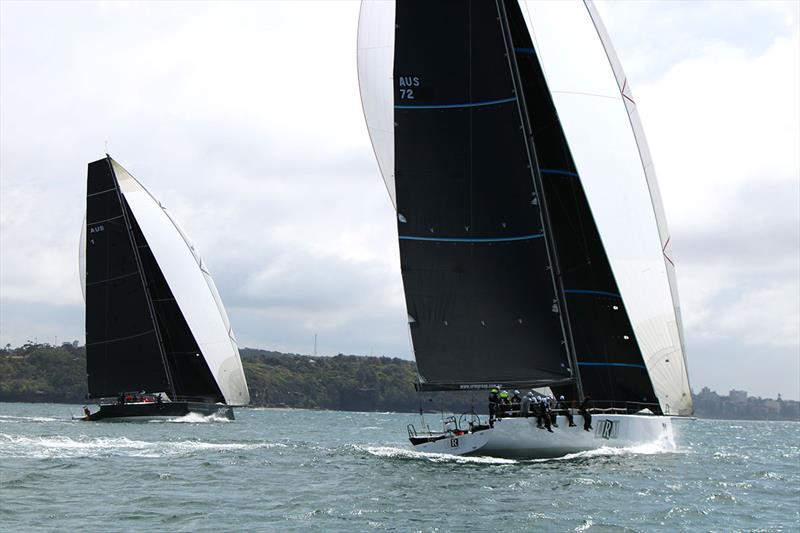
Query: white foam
8, 419
63, 447
649, 448
194, 418
405, 453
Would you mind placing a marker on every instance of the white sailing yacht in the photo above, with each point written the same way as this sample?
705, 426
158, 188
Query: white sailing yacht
533, 244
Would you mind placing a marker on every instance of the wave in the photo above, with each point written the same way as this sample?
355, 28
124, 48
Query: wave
8, 419
67, 447
405, 453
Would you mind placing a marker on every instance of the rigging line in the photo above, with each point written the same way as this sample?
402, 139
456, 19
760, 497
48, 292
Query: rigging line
475, 240
455, 106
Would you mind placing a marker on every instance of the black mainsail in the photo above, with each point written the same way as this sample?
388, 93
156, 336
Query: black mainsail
123, 350
475, 259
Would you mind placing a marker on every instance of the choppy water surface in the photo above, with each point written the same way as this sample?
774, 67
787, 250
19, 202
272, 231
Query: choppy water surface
285, 470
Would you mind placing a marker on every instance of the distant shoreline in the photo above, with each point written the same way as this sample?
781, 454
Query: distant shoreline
41, 373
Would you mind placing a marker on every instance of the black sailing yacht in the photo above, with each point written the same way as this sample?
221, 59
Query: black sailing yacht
158, 340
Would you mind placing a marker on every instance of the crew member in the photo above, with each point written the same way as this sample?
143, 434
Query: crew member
86, 411
551, 403
562, 405
587, 416
505, 404
494, 403
525, 405
536, 407
515, 404
547, 414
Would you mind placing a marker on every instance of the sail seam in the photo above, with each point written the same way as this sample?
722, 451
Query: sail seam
121, 338
588, 291
455, 106
101, 192
598, 363
112, 279
476, 240
557, 171
104, 220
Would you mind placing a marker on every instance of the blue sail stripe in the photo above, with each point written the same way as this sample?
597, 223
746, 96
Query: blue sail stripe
525, 50
597, 363
556, 171
587, 291
456, 239
454, 106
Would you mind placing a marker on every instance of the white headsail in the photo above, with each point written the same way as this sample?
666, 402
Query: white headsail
598, 114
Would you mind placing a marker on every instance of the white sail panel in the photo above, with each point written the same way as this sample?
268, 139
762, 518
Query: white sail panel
191, 286
375, 81
606, 144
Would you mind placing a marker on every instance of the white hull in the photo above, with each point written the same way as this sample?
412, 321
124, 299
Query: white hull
519, 438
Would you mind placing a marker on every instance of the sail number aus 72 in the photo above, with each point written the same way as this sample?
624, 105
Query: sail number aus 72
407, 84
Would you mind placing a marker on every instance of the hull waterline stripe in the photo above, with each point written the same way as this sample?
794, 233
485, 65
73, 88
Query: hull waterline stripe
456, 106
525, 50
454, 239
556, 171
586, 291
593, 363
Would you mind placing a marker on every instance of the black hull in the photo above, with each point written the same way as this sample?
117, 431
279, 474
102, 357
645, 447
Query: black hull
159, 410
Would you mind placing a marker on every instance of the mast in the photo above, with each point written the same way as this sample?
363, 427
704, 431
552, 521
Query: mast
143, 279
533, 164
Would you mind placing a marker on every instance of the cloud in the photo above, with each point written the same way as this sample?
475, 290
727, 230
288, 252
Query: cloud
244, 119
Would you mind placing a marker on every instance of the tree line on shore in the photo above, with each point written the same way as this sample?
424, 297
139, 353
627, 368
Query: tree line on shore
45, 373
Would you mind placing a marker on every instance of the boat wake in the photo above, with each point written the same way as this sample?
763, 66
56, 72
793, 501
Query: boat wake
66, 447
392, 452
649, 448
192, 418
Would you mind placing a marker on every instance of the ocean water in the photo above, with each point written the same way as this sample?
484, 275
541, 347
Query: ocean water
292, 470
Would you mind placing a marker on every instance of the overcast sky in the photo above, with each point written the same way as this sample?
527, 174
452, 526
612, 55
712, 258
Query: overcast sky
245, 121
